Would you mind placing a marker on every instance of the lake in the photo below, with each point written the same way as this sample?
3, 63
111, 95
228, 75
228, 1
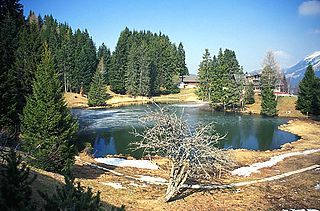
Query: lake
109, 130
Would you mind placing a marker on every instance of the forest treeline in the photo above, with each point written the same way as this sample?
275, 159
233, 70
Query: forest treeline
143, 63
221, 79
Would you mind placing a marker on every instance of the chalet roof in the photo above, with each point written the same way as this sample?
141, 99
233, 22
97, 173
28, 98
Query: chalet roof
190, 79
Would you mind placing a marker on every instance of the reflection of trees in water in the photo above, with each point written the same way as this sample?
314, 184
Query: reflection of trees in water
265, 132
251, 132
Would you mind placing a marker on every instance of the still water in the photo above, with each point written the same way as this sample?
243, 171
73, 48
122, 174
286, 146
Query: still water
109, 130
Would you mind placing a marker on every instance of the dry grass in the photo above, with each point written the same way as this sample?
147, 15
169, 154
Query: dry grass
75, 100
186, 95
286, 107
294, 192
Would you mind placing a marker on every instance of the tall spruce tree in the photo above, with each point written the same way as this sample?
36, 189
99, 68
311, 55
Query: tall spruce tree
104, 52
27, 57
268, 81
307, 98
204, 74
97, 94
249, 94
47, 124
139, 71
119, 62
65, 55
11, 19
316, 100
181, 61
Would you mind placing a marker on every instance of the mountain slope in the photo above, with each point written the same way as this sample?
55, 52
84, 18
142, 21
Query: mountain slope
296, 72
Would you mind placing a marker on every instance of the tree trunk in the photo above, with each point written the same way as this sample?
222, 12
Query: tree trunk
178, 176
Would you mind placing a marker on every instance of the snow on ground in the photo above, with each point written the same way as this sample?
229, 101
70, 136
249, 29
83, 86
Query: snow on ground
145, 164
152, 180
317, 186
253, 168
137, 185
114, 185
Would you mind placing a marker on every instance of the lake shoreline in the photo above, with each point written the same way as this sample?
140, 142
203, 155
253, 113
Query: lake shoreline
294, 186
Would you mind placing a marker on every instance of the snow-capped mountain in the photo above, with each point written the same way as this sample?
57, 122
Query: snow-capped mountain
296, 72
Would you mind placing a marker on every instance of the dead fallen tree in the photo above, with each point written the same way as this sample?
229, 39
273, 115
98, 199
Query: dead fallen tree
193, 153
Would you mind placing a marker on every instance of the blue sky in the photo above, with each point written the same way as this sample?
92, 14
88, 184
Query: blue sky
291, 28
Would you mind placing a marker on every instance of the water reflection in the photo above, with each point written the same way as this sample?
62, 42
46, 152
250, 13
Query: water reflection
109, 130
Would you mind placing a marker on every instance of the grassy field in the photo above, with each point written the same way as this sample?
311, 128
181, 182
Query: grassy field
286, 107
186, 95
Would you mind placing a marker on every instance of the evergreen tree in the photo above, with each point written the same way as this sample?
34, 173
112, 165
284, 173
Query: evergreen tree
231, 79
47, 124
316, 100
65, 55
119, 62
27, 57
249, 94
97, 94
139, 71
181, 63
84, 62
268, 81
104, 52
15, 181
11, 19
204, 74
307, 98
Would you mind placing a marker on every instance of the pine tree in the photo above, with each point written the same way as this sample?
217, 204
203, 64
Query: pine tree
181, 63
204, 74
139, 71
97, 94
11, 19
316, 100
306, 102
15, 181
47, 124
249, 94
119, 62
104, 52
27, 57
65, 55
268, 81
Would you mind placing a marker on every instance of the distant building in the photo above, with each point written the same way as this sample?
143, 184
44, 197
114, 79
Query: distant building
188, 81
280, 89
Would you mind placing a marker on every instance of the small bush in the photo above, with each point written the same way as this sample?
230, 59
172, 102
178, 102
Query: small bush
15, 190
72, 196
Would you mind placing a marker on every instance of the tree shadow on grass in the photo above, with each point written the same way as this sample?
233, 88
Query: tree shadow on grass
48, 184
90, 172
185, 192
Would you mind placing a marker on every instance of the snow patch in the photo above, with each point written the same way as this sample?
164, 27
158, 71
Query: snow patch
144, 164
153, 180
253, 168
137, 185
189, 105
115, 185
317, 186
